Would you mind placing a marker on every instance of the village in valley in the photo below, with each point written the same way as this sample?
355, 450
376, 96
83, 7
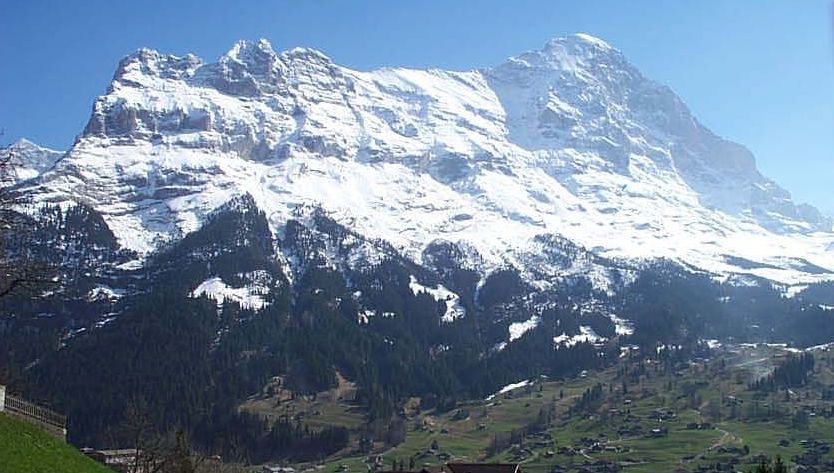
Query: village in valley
644, 414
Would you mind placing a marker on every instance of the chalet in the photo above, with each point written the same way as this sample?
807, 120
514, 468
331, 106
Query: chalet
121, 460
278, 469
657, 433
426, 469
484, 467
467, 468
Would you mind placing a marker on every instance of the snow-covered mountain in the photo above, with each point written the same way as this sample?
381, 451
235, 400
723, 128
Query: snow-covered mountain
30, 160
423, 234
567, 143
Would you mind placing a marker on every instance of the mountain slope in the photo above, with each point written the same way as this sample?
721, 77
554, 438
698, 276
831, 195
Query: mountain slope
570, 140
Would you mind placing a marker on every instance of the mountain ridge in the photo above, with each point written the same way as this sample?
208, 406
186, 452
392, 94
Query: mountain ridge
569, 140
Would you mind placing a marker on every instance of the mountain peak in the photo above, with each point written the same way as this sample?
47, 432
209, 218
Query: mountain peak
573, 53
247, 68
31, 159
25, 145
143, 59
581, 46
590, 39
256, 55
311, 54
581, 39
251, 52
143, 54
147, 62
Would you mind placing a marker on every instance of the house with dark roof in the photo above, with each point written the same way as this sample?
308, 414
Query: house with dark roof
484, 467
467, 468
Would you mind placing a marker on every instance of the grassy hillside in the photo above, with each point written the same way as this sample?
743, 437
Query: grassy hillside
647, 417
25, 448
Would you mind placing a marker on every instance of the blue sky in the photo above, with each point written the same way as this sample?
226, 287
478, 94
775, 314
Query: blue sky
759, 72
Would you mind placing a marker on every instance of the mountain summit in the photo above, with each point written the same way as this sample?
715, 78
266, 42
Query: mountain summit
569, 141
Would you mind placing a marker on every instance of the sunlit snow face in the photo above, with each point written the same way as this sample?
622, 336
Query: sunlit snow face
570, 140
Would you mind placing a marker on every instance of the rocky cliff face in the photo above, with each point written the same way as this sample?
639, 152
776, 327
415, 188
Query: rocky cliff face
568, 142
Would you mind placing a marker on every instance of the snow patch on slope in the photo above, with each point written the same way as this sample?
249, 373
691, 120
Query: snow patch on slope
586, 335
249, 297
508, 388
454, 310
792, 291
518, 329
104, 292
622, 326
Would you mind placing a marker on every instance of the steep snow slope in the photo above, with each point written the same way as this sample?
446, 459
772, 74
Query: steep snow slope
568, 141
